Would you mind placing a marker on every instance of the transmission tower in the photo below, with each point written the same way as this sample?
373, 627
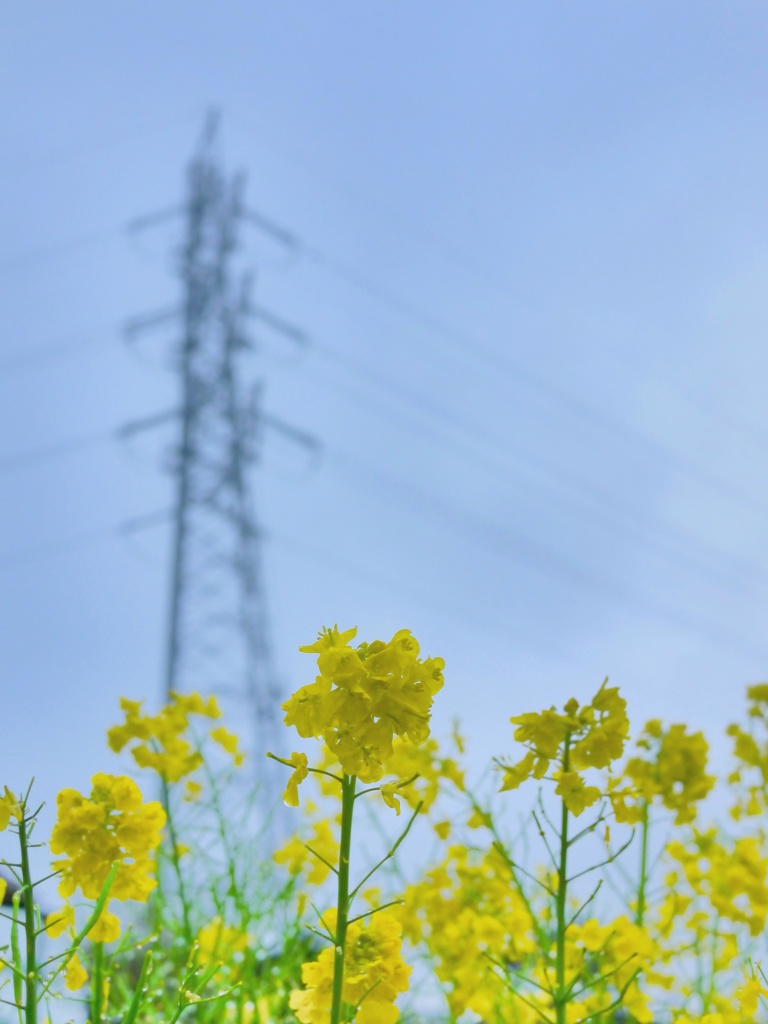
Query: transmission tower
218, 638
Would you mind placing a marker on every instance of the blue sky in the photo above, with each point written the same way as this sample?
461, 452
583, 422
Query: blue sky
532, 269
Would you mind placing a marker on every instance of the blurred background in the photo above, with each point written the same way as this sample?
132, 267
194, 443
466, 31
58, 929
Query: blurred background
506, 378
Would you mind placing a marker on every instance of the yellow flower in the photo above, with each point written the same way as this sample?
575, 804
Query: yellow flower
229, 742
106, 929
159, 741
544, 731
575, 739
465, 910
298, 856
300, 772
389, 794
575, 795
429, 766
192, 790
218, 943
329, 638
364, 698
75, 975
374, 973
515, 775
749, 995
591, 935
9, 807
673, 770
59, 921
112, 826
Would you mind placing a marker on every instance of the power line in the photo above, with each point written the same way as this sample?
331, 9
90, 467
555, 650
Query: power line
675, 545
464, 342
562, 400
56, 450
672, 545
459, 520
23, 359
84, 539
61, 247
601, 422
389, 214
526, 377
130, 136
523, 550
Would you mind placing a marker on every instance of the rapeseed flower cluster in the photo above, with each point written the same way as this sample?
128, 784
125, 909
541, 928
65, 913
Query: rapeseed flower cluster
370, 705
221, 945
604, 965
374, 973
750, 748
731, 876
362, 698
578, 738
507, 941
671, 767
112, 826
469, 912
313, 856
428, 768
161, 742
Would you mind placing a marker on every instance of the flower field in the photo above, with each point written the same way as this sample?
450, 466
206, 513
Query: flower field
580, 880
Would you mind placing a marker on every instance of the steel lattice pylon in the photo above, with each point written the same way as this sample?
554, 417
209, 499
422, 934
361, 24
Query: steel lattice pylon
218, 636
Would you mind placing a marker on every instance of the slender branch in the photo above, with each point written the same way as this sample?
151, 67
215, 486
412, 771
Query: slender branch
643, 881
519, 867
329, 934
321, 858
542, 808
543, 835
387, 856
370, 913
377, 789
141, 988
315, 771
586, 902
506, 969
588, 828
602, 863
537, 1009
175, 859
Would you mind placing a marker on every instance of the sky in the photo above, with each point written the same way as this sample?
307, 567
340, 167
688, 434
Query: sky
531, 268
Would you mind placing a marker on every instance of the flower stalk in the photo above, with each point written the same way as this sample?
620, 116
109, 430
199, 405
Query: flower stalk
561, 990
27, 897
348, 785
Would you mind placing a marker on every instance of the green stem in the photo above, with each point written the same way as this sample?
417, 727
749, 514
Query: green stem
512, 868
140, 990
97, 984
175, 860
342, 903
30, 961
640, 913
561, 993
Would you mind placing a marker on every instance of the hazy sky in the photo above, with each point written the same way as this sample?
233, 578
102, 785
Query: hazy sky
533, 270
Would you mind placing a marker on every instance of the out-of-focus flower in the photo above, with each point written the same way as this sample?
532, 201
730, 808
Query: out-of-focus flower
374, 973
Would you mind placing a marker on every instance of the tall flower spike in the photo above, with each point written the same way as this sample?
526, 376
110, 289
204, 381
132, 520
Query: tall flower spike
365, 697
